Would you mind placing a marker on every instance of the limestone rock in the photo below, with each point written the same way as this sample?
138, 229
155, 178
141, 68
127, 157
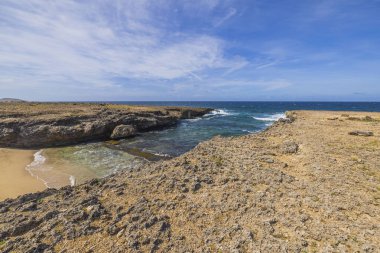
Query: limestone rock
34, 125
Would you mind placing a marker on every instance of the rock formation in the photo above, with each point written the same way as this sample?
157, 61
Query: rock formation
29, 125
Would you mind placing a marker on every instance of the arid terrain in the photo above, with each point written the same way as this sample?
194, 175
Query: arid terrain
310, 183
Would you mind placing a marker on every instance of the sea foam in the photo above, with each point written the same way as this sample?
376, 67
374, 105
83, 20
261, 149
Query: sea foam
220, 112
37, 162
72, 180
273, 117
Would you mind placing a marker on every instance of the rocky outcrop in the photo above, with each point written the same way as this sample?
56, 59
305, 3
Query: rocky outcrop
30, 125
305, 186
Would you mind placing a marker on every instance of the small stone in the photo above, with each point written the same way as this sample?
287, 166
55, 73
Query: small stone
268, 160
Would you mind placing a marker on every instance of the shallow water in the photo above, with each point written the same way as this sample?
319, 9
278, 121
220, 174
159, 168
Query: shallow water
75, 164
58, 167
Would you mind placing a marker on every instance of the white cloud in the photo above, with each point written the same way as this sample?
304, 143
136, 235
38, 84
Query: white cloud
225, 87
93, 43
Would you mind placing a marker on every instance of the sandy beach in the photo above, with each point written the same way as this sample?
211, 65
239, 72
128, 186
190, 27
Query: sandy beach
14, 179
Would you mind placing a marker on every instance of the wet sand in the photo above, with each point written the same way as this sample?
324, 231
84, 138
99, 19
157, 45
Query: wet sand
14, 179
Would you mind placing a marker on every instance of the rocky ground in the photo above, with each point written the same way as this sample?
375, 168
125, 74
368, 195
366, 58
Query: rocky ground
31, 125
304, 185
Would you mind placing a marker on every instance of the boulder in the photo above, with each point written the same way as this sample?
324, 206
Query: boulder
123, 131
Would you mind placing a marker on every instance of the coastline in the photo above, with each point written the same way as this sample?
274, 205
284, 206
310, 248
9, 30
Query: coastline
15, 180
41, 125
304, 184
46, 125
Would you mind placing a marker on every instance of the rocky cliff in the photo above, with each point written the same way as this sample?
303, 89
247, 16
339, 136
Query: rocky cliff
29, 125
304, 185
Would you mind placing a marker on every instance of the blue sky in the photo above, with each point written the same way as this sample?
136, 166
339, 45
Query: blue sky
190, 50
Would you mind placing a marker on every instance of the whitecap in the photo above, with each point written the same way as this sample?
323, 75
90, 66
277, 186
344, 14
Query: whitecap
273, 117
219, 112
192, 120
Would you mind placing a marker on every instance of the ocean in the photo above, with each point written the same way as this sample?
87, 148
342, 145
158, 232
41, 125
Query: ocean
75, 164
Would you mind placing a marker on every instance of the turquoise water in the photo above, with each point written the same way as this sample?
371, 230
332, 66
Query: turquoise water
228, 119
86, 161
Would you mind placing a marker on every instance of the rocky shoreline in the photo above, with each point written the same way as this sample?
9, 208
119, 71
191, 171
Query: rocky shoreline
303, 185
34, 125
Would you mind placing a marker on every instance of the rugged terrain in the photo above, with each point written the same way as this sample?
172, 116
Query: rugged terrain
30, 125
304, 185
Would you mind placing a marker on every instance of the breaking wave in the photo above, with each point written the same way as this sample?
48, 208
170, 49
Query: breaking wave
219, 112
38, 161
273, 117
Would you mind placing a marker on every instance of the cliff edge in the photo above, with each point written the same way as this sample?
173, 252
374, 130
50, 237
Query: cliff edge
30, 125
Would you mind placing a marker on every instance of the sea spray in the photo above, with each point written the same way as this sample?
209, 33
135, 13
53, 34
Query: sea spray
273, 117
72, 180
219, 112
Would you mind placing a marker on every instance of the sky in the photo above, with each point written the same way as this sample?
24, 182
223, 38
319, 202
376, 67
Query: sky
190, 50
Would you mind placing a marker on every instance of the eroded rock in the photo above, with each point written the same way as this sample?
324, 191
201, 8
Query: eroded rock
123, 131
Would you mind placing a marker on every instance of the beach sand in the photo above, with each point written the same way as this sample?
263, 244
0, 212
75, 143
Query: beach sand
14, 179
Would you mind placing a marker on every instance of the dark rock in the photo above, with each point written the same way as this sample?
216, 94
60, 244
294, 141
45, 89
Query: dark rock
196, 186
50, 215
361, 133
24, 227
113, 230
28, 207
151, 222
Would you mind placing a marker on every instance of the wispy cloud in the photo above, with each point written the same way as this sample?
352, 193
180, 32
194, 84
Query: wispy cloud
94, 43
226, 88
230, 13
